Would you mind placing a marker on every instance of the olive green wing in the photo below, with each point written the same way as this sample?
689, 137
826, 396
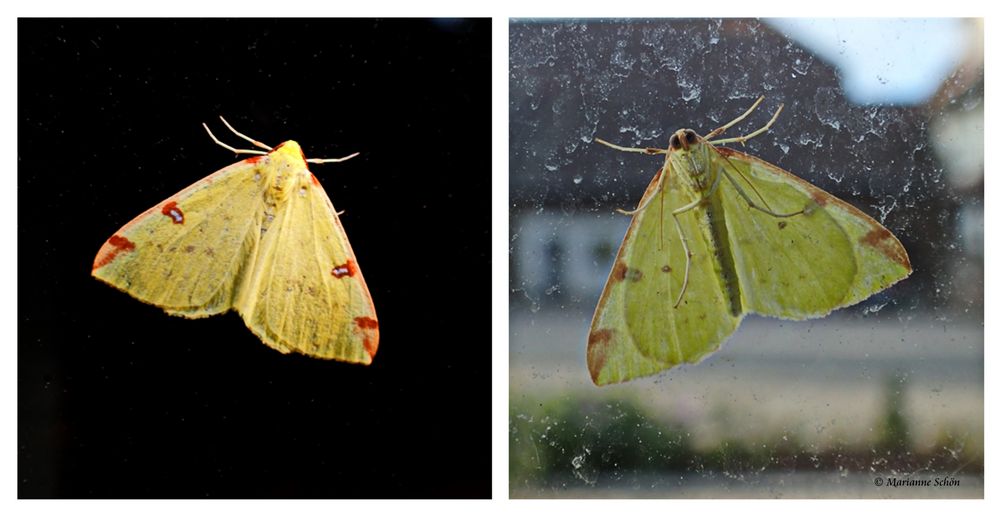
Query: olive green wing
636, 330
829, 256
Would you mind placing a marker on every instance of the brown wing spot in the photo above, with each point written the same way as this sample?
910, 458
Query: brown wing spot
171, 210
347, 269
881, 239
622, 272
782, 225
189, 249
370, 328
819, 196
109, 251
667, 269
597, 346
618, 271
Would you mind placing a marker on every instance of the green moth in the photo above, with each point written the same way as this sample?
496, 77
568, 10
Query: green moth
717, 235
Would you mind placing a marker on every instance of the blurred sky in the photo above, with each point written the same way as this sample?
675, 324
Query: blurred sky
885, 60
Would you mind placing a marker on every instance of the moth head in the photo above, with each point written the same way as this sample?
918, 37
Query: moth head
683, 139
289, 151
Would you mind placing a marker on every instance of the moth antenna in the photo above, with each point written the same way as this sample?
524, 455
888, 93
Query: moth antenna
743, 139
736, 120
646, 150
245, 137
223, 145
331, 160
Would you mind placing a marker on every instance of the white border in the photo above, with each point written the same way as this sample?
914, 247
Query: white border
500, 11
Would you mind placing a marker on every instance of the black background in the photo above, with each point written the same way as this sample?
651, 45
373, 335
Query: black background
118, 399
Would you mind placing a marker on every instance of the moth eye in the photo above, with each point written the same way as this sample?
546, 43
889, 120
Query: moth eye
674, 142
690, 137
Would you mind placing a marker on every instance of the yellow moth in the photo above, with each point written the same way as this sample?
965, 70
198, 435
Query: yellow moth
719, 234
259, 237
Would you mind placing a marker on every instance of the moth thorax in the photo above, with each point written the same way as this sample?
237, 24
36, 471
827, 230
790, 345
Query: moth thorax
287, 180
290, 170
693, 169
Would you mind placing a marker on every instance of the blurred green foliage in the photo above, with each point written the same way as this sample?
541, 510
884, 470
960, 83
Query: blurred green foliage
569, 441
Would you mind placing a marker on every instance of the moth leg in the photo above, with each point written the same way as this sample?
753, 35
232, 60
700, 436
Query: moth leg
746, 198
758, 132
223, 145
684, 244
735, 121
744, 177
647, 150
643, 205
245, 137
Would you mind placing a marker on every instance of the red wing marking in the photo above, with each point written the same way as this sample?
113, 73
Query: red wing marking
315, 181
171, 210
116, 244
370, 327
252, 159
347, 269
366, 322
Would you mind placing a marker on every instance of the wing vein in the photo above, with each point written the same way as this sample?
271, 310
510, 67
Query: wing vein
176, 242
320, 267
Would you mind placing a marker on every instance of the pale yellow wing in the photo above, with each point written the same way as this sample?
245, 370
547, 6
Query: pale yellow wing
308, 294
807, 265
189, 254
636, 331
